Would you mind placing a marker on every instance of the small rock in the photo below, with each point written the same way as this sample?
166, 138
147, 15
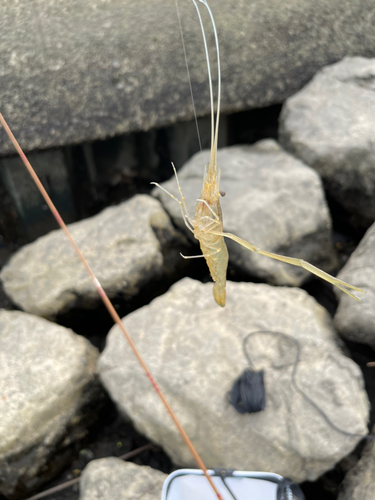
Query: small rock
359, 483
120, 244
113, 479
272, 200
330, 126
356, 320
195, 351
47, 382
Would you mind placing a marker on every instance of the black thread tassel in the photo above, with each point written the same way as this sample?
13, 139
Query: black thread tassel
248, 394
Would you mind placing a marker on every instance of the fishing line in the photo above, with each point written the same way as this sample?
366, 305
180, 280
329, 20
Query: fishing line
248, 393
188, 74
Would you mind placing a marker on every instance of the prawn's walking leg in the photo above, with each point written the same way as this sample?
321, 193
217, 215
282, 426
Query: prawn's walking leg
210, 209
183, 205
342, 285
205, 255
192, 256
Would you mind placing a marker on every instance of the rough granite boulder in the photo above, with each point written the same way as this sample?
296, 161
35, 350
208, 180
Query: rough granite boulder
195, 351
329, 125
88, 70
120, 244
47, 384
356, 320
113, 479
272, 200
359, 483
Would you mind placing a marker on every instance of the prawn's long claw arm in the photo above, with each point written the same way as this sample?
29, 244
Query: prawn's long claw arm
342, 285
183, 206
191, 256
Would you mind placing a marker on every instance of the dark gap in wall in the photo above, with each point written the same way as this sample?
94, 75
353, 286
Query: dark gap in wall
253, 125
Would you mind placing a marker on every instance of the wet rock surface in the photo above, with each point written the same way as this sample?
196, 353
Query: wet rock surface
48, 389
84, 71
113, 479
124, 245
272, 200
329, 125
184, 333
356, 320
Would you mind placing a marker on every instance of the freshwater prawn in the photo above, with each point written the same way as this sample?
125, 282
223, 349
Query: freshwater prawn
207, 225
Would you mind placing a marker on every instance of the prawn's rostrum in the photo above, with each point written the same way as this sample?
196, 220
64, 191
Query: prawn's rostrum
207, 225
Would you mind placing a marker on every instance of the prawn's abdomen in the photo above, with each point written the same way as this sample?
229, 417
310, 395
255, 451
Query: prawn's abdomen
216, 254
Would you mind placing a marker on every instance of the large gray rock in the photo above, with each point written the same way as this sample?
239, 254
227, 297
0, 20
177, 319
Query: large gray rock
47, 381
195, 351
356, 320
330, 126
359, 483
120, 244
272, 200
88, 70
113, 479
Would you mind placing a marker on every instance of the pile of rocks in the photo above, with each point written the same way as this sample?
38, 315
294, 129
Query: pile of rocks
316, 408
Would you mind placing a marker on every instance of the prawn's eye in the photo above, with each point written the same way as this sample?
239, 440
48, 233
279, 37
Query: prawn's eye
222, 193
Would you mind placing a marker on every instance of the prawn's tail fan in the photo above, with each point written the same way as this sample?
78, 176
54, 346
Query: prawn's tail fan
219, 294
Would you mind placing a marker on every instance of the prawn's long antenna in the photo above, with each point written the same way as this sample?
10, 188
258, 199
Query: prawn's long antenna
108, 304
215, 129
218, 75
209, 75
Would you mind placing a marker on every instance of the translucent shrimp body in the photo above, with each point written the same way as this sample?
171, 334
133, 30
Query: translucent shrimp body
207, 221
208, 217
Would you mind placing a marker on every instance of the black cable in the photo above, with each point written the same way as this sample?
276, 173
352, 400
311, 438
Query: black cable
227, 487
246, 391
